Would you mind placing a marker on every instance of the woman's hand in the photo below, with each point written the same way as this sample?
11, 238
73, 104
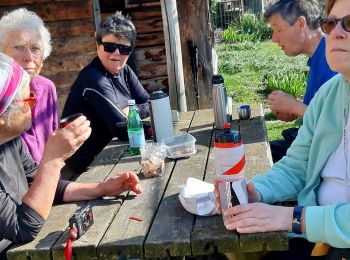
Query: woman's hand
122, 181
258, 217
253, 195
64, 142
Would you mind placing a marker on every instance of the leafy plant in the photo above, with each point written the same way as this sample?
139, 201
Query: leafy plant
290, 82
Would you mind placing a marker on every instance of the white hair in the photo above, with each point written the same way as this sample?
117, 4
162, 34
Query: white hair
22, 19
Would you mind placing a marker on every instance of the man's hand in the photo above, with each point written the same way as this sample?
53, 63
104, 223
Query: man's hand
281, 102
285, 106
286, 117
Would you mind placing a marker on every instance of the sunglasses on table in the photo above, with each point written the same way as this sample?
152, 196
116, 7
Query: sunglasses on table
111, 48
328, 24
30, 101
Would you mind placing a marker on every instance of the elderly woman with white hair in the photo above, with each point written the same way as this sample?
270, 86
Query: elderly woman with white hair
24, 37
27, 191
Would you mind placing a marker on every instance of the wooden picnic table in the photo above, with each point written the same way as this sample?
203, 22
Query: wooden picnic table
167, 230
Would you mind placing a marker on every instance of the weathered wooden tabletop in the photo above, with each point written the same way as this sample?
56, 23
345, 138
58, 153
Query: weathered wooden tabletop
167, 230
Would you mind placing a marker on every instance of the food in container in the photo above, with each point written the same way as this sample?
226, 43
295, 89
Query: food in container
178, 146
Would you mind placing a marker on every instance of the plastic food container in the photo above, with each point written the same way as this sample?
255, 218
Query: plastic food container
178, 146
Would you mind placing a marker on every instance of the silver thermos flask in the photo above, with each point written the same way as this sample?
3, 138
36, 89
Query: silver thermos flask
219, 101
162, 123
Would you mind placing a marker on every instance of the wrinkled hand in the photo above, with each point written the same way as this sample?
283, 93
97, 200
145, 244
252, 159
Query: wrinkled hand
258, 217
287, 117
253, 195
64, 142
281, 102
121, 182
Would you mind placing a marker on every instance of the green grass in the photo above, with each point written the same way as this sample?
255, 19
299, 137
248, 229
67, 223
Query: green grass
252, 70
275, 127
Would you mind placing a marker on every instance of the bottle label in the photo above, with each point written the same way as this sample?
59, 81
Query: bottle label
136, 138
232, 192
229, 161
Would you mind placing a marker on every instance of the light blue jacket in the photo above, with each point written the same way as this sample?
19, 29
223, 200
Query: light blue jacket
299, 173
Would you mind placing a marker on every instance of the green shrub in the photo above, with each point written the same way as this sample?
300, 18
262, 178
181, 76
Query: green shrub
251, 28
292, 83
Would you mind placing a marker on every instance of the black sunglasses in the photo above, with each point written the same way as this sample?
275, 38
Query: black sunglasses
328, 24
111, 47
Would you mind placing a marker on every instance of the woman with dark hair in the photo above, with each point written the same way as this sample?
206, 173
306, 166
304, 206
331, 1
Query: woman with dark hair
103, 88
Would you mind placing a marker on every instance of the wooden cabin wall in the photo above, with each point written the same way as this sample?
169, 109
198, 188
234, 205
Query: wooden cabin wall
194, 25
72, 29
71, 25
150, 55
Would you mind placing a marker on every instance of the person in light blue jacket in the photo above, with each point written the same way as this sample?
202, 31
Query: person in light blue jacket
316, 168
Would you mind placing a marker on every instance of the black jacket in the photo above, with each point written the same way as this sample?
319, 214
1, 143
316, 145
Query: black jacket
101, 96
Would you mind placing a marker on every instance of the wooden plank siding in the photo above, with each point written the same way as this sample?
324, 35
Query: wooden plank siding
150, 55
70, 23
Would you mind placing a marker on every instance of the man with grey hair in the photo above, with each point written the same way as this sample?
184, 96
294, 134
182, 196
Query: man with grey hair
295, 28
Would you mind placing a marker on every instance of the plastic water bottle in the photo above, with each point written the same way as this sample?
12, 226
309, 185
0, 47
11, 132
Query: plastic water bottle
136, 133
230, 168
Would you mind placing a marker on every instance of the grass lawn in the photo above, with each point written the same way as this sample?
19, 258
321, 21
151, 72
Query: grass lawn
247, 68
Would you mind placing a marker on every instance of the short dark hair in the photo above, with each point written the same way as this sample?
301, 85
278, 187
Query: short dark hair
118, 25
291, 10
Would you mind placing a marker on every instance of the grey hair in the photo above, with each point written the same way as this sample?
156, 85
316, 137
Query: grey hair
15, 106
291, 10
22, 19
118, 25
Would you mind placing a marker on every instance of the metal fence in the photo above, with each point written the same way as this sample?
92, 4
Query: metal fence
226, 12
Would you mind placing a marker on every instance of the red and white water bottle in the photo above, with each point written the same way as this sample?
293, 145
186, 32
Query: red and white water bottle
230, 168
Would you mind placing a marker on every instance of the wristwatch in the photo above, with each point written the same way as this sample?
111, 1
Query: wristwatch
296, 224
